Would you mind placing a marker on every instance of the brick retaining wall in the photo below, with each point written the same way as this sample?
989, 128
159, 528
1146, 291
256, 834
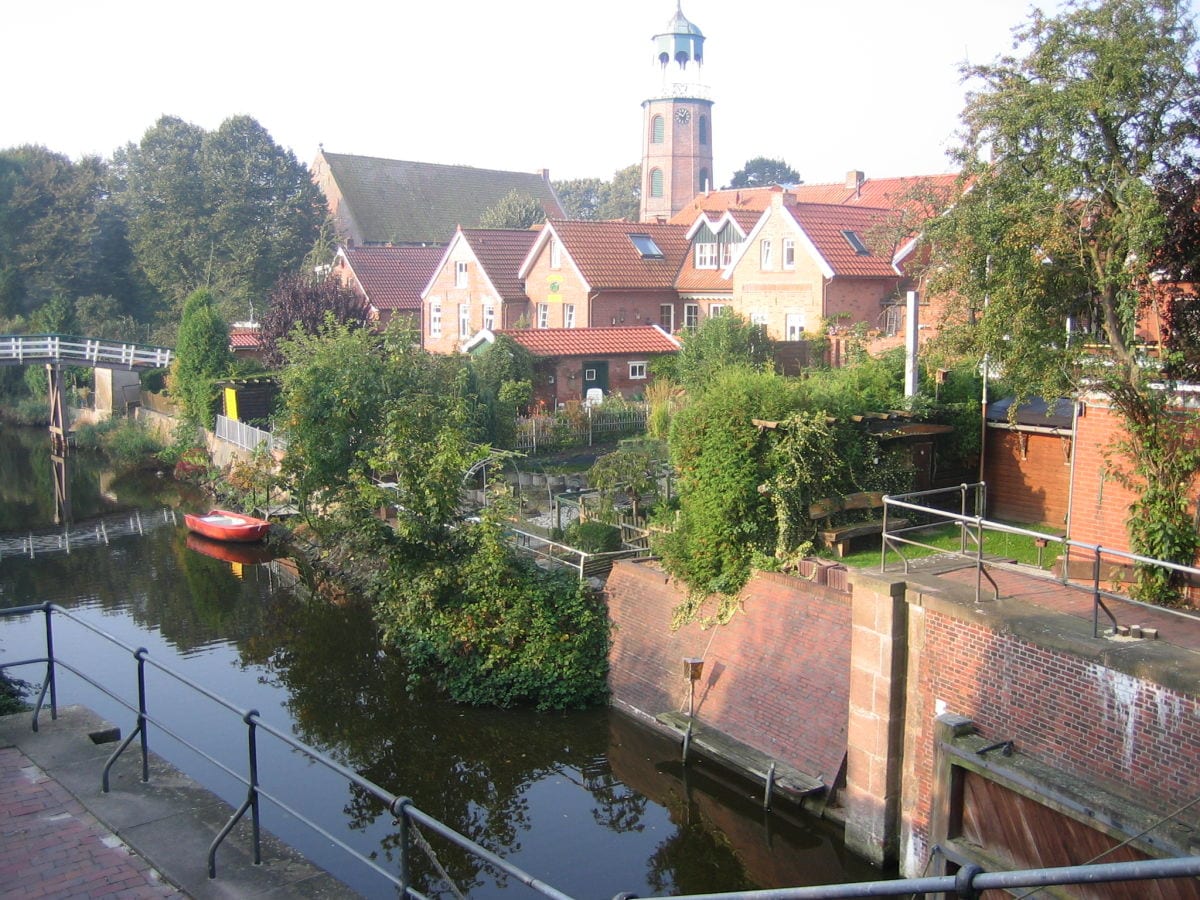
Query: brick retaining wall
776, 677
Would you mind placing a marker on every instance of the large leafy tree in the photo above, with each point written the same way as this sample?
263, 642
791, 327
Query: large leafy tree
513, 210
763, 172
1062, 145
307, 303
596, 199
719, 343
59, 233
229, 209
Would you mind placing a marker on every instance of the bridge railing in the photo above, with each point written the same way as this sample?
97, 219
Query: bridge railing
27, 349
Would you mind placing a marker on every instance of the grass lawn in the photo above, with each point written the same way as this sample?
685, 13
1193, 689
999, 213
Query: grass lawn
946, 537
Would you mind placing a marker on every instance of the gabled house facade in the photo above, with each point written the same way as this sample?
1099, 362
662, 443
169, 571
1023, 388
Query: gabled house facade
604, 274
475, 287
578, 364
390, 279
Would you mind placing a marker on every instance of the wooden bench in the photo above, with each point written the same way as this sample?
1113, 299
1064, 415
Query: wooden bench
839, 536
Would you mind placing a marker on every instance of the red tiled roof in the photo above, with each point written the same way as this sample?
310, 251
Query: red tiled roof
885, 193
593, 341
500, 253
245, 338
393, 277
607, 258
824, 223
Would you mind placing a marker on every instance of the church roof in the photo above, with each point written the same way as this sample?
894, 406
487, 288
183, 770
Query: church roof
400, 202
392, 277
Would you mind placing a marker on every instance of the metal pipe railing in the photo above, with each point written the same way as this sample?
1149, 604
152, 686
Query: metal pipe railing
982, 525
967, 882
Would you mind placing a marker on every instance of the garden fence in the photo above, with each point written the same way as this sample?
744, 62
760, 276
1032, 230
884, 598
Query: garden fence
579, 427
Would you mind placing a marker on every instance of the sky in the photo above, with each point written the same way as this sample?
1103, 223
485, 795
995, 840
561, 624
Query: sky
521, 85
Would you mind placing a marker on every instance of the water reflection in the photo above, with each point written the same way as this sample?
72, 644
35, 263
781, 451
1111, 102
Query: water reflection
591, 802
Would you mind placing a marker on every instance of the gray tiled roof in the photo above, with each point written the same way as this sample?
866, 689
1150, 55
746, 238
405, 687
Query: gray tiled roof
399, 202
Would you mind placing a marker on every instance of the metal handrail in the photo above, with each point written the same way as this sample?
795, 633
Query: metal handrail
400, 806
969, 881
977, 527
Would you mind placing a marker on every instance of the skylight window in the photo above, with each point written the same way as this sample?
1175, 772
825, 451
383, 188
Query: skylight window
856, 243
644, 244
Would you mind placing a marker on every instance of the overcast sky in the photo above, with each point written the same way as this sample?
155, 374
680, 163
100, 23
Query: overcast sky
519, 85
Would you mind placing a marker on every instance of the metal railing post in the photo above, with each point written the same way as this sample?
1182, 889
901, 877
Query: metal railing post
51, 674
399, 809
140, 655
252, 747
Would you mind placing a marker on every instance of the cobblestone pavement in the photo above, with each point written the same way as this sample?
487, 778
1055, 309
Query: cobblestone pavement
50, 846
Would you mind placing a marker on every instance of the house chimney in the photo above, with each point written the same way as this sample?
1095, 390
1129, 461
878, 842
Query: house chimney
854, 179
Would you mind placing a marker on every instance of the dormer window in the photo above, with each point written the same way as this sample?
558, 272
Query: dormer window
644, 244
706, 256
856, 243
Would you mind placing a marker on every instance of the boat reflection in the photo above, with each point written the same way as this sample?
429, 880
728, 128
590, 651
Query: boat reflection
242, 554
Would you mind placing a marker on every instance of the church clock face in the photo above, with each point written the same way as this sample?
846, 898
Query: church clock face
683, 115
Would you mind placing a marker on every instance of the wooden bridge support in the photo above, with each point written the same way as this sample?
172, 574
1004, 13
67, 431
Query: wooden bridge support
60, 423
62, 489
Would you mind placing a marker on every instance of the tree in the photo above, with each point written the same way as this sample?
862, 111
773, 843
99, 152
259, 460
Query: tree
307, 303
503, 373
59, 235
228, 209
1062, 147
719, 343
201, 355
596, 199
763, 172
513, 210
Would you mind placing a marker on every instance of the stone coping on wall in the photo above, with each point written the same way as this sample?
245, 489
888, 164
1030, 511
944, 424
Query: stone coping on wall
1050, 614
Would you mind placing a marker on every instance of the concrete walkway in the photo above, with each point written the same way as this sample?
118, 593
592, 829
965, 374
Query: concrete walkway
61, 836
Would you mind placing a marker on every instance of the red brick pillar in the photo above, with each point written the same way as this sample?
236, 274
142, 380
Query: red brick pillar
875, 735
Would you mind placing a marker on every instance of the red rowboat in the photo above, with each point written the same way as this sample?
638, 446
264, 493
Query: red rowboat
222, 525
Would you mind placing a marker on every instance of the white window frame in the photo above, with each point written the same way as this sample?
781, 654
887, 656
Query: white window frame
691, 316
435, 319
765, 261
555, 254
706, 256
789, 253
464, 320
637, 371
793, 327
666, 317
568, 315
460, 274
759, 318
489, 316
543, 315
727, 251
717, 309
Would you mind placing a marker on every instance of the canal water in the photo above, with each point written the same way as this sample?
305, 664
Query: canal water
590, 802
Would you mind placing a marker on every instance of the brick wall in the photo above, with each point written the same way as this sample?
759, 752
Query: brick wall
1028, 477
776, 677
1074, 711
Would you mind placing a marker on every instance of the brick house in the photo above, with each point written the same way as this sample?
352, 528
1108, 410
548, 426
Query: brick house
604, 274
475, 287
570, 362
390, 279
391, 202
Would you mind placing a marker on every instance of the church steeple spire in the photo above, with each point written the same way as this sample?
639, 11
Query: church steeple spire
681, 43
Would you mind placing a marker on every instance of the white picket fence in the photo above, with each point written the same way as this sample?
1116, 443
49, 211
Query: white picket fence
581, 428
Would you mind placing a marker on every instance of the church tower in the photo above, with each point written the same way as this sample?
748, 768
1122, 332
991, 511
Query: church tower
676, 124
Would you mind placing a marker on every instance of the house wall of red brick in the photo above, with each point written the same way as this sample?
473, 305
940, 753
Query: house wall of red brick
444, 291
560, 380
571, 290
1067, 705
776, 677
1028, 477
1099, 502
